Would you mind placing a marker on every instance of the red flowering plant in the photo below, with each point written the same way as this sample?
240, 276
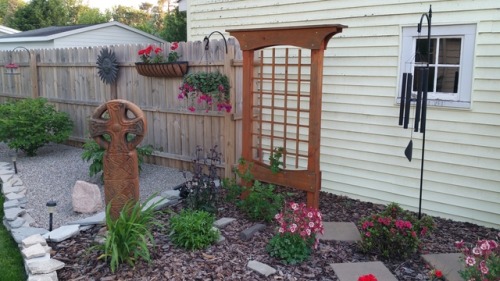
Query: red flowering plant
206, 89
393, 233
367, 277
436, 275
296, 237
482, 262
173, 56
11, 65
151, 54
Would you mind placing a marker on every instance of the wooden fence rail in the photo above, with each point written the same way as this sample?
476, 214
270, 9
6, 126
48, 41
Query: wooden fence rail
68, 79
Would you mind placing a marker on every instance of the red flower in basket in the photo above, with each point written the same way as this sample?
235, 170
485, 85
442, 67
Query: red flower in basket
151, 54
368, 277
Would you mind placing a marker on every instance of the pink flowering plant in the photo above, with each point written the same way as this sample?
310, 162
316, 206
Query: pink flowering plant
173, 56
296, 237
206, 89
393, 233
482, 262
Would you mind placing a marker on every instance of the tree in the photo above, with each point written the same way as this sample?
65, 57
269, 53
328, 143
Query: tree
7, 10
129, 16
175, 26
40, 13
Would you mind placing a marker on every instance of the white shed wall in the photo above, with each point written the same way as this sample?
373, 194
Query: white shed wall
362, 145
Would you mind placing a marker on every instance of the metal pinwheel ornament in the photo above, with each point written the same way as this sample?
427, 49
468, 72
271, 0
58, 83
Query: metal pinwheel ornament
107, 66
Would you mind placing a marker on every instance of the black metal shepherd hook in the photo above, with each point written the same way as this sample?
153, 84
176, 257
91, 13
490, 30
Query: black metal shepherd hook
206, 40
421, 101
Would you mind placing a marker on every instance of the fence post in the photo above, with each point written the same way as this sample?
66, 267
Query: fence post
229, 123
34, 75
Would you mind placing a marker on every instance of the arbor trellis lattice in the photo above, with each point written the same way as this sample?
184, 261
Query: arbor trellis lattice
282, 98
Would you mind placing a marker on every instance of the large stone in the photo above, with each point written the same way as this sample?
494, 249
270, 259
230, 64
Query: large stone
13, 213
34, 251
20, 233
62, 233
44, 267
43, 277
86, 197
33, 239
261, 268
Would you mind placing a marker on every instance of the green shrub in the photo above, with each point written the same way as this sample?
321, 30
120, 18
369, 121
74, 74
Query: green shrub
393, 233
94, 153
29, 124
129, 235
192, 229
290, 248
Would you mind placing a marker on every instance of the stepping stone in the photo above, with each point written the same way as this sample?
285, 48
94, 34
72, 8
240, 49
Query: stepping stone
62, 233
223, 222
261, 268
340, 231
99, 218
352, 271
449, 264
43, 277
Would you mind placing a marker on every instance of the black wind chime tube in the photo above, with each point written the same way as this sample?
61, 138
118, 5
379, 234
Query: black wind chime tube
418, 107
408, 100
424, 99
403, 97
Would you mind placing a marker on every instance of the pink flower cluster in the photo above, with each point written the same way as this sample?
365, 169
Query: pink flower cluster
11, 65
395, 226
476, 258
302, 220
202, 98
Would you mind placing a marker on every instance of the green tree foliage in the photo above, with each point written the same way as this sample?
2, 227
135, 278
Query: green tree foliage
41, 13
7, 10
129, 16
175, 27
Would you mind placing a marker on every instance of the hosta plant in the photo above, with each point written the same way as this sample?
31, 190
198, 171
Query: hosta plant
192, 229
481, 262
393, 233
130, 234
296, 237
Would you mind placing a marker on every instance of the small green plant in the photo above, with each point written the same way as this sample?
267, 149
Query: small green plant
192, 229
275, 160
130, 234
393, 233
29, 124
296, 237
201, 190
482, 262
94, 153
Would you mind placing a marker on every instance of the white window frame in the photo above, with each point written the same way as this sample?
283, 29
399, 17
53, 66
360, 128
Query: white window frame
467, 32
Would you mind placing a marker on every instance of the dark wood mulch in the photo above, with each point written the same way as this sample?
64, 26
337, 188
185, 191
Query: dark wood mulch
227, 261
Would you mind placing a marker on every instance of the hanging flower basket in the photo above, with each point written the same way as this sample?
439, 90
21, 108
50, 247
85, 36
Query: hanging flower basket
164, 69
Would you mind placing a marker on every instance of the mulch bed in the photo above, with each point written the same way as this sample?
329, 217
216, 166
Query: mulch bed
228, 260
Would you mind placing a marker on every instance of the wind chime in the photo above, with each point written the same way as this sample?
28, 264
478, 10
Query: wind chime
421, 79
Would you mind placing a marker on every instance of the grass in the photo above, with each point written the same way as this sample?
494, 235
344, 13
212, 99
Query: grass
11, 261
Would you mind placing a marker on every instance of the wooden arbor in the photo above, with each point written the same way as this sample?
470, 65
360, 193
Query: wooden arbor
282, 102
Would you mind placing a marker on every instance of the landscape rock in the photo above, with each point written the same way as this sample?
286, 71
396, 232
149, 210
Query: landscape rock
43, 277
248, 233
6, 189
18, 222
86, 197
20, 233
98, 218
13, 213
171, 194
34, 251
44, 267
10, 204
261, 268
223, 222
15, 196
161, 201
62, 233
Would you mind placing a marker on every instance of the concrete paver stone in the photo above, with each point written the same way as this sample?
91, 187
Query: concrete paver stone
62, 233
44, 267
34, 251
261, 268
352, 271
449, 264
340, 231
34, 239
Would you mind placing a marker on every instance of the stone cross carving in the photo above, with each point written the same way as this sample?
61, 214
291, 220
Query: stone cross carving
119, 126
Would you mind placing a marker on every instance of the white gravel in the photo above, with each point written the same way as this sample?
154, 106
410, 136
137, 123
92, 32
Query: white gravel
52, 173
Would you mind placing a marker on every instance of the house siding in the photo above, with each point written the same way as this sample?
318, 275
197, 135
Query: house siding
362, 145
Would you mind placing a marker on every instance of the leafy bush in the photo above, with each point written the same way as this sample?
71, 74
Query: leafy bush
192, 229
29, 124
394, 233
129, 235
482, 262
259, 201
201, 190
94, 153
298, 226
275, 160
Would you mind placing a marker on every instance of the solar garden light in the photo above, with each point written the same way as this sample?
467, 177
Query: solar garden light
13, 157
51, 205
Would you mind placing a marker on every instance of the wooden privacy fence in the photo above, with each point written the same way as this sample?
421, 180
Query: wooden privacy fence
68, 79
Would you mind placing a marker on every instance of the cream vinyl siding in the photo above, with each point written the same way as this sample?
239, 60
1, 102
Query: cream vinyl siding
362, 144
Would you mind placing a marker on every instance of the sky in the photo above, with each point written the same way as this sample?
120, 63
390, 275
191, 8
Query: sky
108, 4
